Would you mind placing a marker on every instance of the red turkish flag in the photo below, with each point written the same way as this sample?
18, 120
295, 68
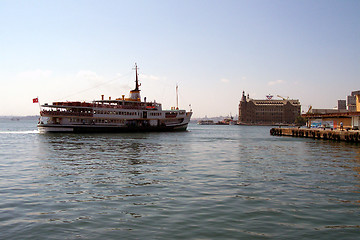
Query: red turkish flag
35, 100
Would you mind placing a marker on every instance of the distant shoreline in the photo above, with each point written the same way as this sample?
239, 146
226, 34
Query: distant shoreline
20, 117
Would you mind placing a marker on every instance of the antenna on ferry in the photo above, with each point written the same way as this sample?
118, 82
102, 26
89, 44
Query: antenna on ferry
137, 85
177, 97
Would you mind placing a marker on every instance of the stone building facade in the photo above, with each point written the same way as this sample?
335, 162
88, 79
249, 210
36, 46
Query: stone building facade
268, 112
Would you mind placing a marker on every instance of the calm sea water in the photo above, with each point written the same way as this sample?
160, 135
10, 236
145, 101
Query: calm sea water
211, 182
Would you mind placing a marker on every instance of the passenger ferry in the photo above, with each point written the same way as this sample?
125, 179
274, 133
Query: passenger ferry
119, 115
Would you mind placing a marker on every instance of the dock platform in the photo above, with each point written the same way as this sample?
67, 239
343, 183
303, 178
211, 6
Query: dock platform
327, 134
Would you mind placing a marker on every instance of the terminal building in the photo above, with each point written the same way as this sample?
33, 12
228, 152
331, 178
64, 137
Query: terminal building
332, 118
268, 111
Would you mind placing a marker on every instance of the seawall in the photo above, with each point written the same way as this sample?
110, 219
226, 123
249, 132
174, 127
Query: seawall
334, 135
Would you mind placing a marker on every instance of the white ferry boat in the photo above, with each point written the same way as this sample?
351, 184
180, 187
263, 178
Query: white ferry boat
119, 115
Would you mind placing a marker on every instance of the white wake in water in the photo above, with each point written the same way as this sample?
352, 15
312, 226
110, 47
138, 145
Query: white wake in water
20, 132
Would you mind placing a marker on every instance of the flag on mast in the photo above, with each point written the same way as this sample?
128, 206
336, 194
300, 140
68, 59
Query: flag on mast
36, 100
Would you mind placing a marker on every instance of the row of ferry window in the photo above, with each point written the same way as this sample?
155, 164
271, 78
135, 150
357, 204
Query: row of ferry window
109, 121
78, 120
124, 113
114, 112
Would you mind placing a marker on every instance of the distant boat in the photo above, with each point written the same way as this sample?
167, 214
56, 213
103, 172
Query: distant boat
119, 115
227, 121
206, 122
232, 122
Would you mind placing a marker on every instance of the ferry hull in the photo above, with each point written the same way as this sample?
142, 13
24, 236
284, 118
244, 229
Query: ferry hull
47, 128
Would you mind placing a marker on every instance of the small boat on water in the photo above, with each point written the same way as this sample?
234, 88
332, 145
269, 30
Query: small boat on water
206, 122
119, 115
227, 121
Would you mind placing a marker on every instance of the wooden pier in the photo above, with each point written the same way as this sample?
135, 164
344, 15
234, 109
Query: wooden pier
327, 134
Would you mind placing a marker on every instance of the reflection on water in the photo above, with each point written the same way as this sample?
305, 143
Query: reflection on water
212, 182
104, 161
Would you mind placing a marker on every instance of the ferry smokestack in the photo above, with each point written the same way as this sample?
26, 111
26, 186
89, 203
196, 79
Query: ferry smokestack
109, 98
102, 97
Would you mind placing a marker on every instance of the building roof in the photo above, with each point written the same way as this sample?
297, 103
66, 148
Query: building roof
354, 93
326, 111
266, 102
329, 115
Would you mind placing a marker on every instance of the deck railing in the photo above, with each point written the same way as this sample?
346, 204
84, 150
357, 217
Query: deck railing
64, 113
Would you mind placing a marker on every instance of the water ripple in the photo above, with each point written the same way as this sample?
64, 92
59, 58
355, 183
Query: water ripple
213, 182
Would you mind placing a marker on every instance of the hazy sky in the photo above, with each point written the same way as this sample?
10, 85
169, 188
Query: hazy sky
78, 50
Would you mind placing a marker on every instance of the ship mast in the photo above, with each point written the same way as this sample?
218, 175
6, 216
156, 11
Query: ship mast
137, 85
135, 94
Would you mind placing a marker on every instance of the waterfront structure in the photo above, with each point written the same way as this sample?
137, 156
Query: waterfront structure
268, 111
350, 120
119, 115
325, 134
332, 118
351, 101
342, 104
357, 94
